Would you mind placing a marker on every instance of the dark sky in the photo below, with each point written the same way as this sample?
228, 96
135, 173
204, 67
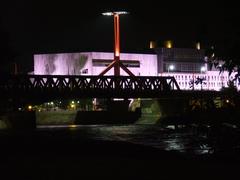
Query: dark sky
29, 27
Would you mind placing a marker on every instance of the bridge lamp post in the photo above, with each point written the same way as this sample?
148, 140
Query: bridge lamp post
116, 64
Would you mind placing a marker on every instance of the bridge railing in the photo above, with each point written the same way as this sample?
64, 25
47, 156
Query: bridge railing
87, 85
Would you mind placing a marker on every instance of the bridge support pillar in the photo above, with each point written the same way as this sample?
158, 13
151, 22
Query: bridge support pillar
154, 110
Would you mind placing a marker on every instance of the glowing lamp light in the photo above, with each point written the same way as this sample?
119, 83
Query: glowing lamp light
107, 13
169, 44
72, 126
198, 46
203, 69
171, 67
29, 107
115, 12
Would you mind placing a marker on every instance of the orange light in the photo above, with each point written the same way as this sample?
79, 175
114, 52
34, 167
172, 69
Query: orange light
29, 107
72, 126
116, 35
168, 44
152, 45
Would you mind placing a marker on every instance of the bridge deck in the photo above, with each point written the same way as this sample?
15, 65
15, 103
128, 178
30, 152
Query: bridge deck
42, 87
85, 86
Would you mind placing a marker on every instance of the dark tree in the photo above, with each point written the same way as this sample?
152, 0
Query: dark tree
7, 53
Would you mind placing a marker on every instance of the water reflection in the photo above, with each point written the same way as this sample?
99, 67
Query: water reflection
148, 135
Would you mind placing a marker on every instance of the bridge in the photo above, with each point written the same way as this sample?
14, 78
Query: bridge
41, 87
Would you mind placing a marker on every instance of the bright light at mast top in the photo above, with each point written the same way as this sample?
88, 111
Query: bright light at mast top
114, 12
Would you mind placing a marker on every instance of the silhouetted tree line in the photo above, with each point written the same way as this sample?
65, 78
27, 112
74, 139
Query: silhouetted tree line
226, 57
7, 52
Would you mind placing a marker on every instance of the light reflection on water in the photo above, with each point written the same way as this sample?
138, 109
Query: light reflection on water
148, 135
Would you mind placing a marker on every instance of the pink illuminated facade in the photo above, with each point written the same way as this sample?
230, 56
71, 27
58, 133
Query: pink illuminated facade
185, 66
93, 63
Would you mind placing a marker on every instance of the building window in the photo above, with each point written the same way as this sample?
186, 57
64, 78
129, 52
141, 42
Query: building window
85, 71
106, 62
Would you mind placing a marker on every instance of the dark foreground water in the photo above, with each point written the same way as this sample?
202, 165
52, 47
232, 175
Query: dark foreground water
185, 141
120, 152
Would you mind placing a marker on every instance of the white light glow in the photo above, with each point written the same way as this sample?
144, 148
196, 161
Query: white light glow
171, 67
115, 12
107, 13
118, 99
121, 12
203, 69
198, 46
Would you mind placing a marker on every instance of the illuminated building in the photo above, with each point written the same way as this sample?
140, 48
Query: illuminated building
185, 64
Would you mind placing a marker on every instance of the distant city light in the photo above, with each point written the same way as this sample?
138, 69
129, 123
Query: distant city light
198, 46
72, 106
29, 107
52, 103
227, 101
171, 67
72, 126
118, 99
152, 45
169, 44
73, 102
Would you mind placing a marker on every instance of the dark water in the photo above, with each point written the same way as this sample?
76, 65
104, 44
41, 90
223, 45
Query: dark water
181, 140
119, 152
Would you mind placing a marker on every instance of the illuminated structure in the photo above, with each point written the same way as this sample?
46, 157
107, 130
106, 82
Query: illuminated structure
116, 63
186, 65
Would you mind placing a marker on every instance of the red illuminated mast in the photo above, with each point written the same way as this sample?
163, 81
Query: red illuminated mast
116, 64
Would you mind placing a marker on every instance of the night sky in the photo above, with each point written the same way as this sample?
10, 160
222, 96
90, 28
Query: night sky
29, 27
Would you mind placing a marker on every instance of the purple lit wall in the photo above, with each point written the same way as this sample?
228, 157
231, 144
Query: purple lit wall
61, 64
81, 63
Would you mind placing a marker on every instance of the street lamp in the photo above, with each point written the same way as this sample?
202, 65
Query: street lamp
116, 64
203, 69
171, 68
